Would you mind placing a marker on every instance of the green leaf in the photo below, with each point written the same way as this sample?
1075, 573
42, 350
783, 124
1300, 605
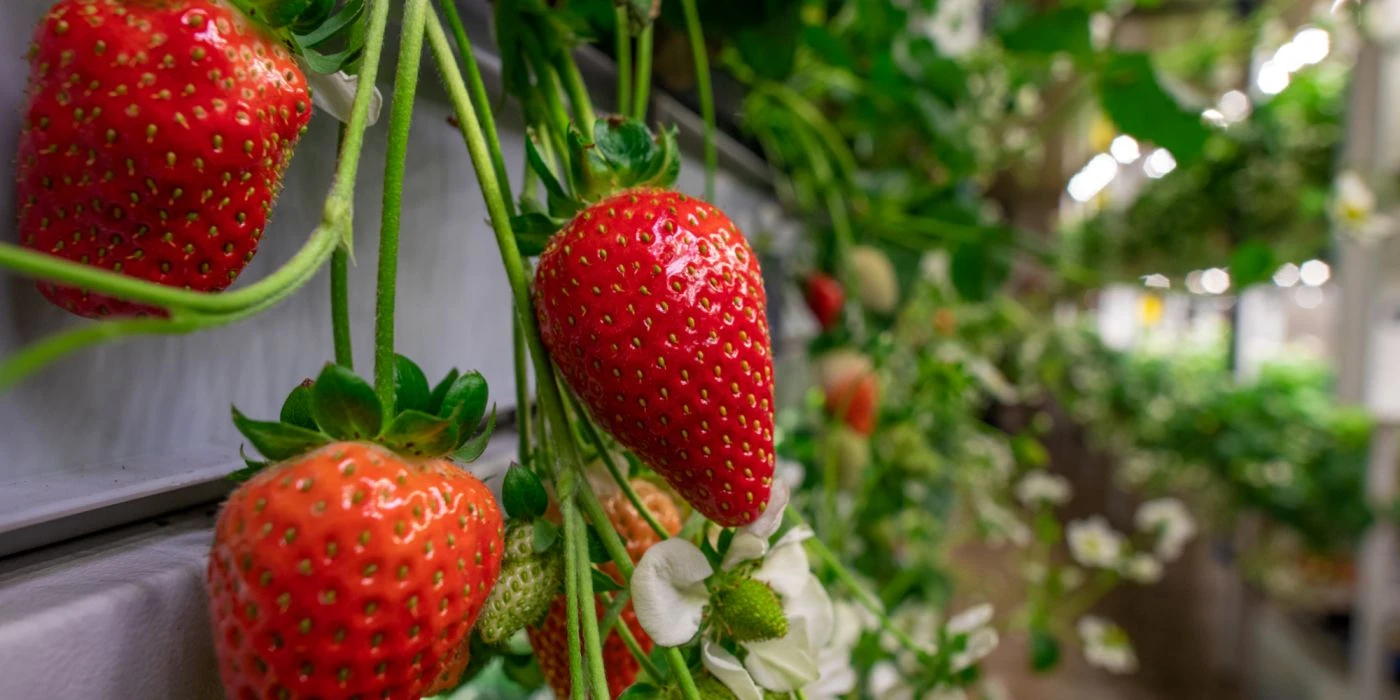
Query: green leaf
277, 441
329, 28
346, 406
827, 47
597, 553
532, 232
641, 691
977, 272
560, 204
466, 399
275, 13
522, 494
626, 145
421, 434
546, 533
1253, 262
603, 583
410, 386
472, 448
770, 47
440, 392
1065, 29
1045, 651
327, 63
296, 410
1137, 103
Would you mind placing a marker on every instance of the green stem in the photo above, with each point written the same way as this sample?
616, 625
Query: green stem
476, 87
614, 611
556, 118
701, 58
592, 642
623, 37
340, 308
35, 356
639, 654
522, 395
643, 84
395, 164
571, 594
578, 91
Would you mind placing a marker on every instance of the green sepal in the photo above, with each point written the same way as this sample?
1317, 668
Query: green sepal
472, 447
315, 21
626, 146
296, 409
440, 392
277, 441
641, 13
421, 434
560, 204
410, 386
641, 691
533, 231
345, 406
466, 400
546, 534
274, 13
597, 553
603, 583
250, 469
317, 26
523, 494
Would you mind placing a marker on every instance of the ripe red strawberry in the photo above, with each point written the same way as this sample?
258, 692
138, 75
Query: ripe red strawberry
350, 572
825, 298
652, 305
852, 389
154, 142
550, 638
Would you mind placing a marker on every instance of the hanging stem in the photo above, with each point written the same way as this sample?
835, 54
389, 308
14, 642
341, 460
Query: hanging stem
522, 395
395, 163
623, 37
340, 308
701, 58
571, 565
578, 91
643, 87
592, 642
476, 87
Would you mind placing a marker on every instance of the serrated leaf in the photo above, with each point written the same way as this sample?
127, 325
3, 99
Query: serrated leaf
346, 406
421, 434
1252, 263
277, 441
440, 392
296, 409
472, 448
522, 494
411, 391
546, 534
332, 26
532, 232
1137, 103
603, 583
466, 399
560, 204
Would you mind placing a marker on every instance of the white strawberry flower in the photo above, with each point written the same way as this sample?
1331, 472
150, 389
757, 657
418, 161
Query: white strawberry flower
1171, 523
670, 596
1094, 543
1354, 210
1041, 488
334, 94
1106, 645
1142, 568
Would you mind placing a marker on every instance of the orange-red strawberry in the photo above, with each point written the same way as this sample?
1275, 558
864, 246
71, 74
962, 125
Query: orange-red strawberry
154, 141
350, 572
825, 298
550, 638
652, 304
852, 389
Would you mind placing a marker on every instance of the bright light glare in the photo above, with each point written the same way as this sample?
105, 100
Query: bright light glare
1193, 282
1214, 116
1097, 173
1308, 297
1287, 275
1159, 163
1157, 281
1315, 273
1272, 78
1234, 105
1312, 44
1215, 281
1124, 149
1289, 57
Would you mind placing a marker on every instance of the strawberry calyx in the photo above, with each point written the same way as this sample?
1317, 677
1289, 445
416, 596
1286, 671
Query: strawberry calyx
622, 155
327, 39
424, 422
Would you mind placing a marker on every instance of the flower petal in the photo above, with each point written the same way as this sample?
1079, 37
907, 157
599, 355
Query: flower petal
786, 568
970, 619
744, 547
726, 667
334, 94
784, 664
813, 606
668, 591
772, 516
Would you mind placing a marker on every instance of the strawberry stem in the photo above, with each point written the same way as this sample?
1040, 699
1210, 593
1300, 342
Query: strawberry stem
522, 399
702, 86
476, 87
340, 308
592, 642
571, 596
395, 163
643, 97
578, 92
623, 50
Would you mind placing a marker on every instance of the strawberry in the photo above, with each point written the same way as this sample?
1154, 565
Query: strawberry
825, 298
154, 141
652, 305
550, 638
350, 569
851, 388
877, 287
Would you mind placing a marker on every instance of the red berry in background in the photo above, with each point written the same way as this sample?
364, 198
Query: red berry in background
652, 305
154, 142
825, 298
350, 572
851, 388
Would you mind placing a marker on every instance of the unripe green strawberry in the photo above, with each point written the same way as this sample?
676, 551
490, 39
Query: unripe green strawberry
154, 141
652, 305
877, 287
529, 581
748, 610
